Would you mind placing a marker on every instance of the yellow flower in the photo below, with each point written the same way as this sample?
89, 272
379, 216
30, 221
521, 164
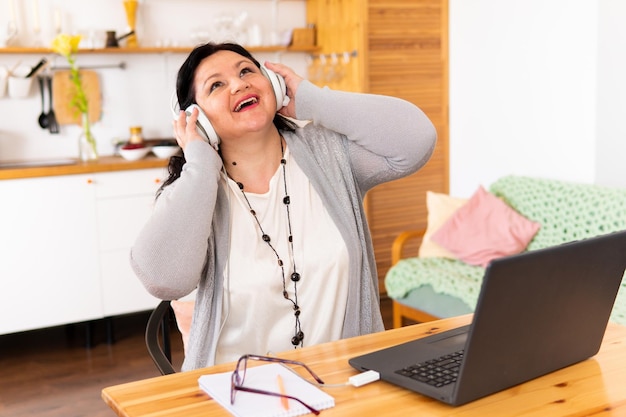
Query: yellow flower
65, 45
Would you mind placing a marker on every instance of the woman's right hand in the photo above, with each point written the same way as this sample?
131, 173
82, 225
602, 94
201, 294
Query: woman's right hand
185, 129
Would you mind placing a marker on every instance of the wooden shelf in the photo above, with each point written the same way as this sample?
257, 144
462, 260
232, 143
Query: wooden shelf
154, 50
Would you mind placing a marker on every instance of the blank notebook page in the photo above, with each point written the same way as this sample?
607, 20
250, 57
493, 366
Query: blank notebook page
265, 377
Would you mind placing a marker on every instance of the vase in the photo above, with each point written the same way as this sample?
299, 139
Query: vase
87, 147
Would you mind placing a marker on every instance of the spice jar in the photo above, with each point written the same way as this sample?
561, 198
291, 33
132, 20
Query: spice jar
135, 135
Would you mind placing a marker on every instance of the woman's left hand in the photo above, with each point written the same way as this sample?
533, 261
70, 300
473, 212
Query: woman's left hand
292, 81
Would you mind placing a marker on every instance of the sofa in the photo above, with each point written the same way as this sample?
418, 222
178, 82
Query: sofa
439, 283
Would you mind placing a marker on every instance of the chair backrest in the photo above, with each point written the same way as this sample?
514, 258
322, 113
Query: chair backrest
158, 337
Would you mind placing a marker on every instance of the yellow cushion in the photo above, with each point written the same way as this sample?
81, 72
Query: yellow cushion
440, 207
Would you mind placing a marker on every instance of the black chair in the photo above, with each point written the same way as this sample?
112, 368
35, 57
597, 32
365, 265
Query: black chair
158, 337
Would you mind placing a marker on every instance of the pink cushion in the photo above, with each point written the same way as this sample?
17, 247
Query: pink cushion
485, 228
183, 310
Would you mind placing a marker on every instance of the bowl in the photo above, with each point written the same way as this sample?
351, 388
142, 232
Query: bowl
134, 154
165, 151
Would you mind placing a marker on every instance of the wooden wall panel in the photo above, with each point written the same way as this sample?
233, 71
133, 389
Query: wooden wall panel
407, 44
402, 51
340, 26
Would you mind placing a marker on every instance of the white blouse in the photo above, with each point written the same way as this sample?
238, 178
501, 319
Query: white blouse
257, 318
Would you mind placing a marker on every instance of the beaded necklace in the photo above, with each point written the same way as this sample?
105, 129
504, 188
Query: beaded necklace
298, 337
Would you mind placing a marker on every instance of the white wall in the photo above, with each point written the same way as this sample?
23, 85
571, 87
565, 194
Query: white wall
536, 88
611, 95
139, 94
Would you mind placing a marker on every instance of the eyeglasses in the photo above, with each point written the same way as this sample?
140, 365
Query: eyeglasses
239, 375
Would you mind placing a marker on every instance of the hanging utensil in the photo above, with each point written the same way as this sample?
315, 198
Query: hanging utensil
53, 125
43, 117
37, 68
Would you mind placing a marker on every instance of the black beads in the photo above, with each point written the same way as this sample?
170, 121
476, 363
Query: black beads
297, 339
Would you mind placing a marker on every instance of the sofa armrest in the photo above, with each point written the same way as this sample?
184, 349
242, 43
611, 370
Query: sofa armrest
400, 241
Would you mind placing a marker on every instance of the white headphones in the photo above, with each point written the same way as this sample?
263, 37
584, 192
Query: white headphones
204, 126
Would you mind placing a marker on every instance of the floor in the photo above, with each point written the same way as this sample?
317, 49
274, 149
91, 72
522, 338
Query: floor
50, 372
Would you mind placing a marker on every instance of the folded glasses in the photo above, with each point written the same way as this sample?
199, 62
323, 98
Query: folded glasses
239, 375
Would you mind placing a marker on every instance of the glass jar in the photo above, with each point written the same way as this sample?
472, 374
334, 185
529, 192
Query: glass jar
135, 135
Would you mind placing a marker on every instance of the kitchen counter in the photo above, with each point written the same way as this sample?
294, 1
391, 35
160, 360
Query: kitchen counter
47, 168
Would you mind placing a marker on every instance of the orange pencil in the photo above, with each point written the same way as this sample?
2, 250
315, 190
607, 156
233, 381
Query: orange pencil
283, 400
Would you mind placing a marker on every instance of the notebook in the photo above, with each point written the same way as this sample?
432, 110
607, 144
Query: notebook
265, 377
537, 312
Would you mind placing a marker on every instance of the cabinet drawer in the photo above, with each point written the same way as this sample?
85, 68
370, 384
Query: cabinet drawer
129, 183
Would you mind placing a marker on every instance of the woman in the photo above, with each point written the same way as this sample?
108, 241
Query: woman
270, 228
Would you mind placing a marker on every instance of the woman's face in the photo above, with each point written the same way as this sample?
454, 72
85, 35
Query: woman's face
234, 94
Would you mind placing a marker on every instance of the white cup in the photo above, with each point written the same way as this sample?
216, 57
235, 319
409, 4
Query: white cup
255, 35
19, 87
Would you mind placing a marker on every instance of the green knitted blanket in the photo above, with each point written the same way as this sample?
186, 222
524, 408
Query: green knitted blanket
566, 211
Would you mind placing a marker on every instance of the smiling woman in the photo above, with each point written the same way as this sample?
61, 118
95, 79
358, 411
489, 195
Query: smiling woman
269, 223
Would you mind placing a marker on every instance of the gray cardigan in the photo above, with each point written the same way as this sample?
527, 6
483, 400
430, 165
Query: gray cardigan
353, 143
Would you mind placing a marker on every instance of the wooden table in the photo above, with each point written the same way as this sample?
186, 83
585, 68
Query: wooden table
593, 387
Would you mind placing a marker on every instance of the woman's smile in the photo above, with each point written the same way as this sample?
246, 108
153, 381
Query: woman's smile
247, 102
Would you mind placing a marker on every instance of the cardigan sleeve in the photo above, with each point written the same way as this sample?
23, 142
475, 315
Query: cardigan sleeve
170, 252
388, 137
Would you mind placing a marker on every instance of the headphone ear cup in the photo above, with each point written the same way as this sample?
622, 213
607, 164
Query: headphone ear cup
278, 84
204, 126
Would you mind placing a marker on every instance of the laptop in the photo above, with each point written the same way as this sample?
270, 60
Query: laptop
537, 312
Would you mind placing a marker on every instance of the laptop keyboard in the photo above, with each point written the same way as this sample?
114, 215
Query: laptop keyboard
436, 372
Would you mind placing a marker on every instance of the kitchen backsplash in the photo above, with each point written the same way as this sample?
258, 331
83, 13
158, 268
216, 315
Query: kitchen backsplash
139, 93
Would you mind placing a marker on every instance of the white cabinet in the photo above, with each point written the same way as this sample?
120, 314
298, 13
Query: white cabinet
48, 252
124, 202
64, 247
